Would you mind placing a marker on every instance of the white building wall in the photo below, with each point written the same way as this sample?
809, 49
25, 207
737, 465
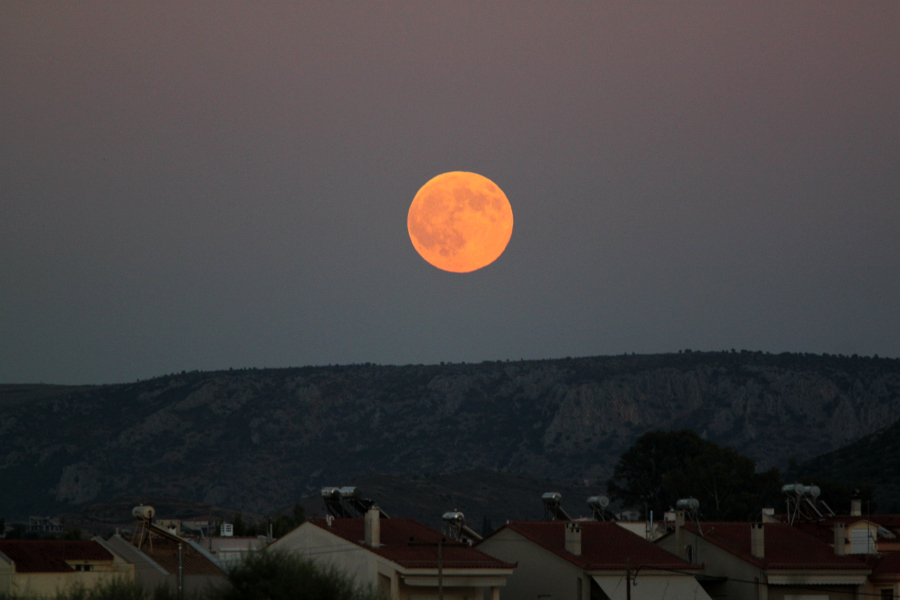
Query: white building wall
540, 573
313, 542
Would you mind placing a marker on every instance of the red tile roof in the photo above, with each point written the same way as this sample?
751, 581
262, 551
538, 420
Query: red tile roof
819, 530
885, 566
50, 556
162, 547
786, 547
604, 545
397, 535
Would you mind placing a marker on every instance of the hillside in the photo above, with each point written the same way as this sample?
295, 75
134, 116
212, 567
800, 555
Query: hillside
257, 440
872, 460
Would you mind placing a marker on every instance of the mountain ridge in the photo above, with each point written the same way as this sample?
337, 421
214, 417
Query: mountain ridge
259, 439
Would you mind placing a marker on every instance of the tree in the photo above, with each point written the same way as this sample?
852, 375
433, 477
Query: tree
239, 528
664, 466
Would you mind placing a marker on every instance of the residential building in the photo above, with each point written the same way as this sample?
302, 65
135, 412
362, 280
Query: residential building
206, 524
771, 561
588, 560
45, 567
401, 557
155, 556
230, 551
884, 581
45, 526
862, 535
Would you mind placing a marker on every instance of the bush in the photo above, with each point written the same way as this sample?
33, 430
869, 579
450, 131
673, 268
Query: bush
262, 575
116, 589
276, 575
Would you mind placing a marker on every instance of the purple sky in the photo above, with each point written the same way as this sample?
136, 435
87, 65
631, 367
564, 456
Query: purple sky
192, 185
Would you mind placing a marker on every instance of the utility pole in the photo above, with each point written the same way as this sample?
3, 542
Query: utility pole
630, 579
180, 572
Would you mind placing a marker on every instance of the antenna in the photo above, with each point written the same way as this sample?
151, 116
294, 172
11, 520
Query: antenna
598, 506
552, 507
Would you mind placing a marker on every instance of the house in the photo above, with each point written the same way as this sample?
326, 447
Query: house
45, 567
206, 524
766, 561
230, 551
401, 557
588, 560
862, 535
154, 552
45, 526
884, 581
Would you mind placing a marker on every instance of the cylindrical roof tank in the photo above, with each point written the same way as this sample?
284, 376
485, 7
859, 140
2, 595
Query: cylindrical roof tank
552, 498
687, 504
797, 489
143, 512
350, 492
598, 502
454, 518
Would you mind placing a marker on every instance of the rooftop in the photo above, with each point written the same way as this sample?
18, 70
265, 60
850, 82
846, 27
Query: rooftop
604, 545
397, 535
786, 547
50, 556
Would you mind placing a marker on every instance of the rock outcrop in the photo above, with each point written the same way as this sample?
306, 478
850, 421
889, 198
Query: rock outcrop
260, 439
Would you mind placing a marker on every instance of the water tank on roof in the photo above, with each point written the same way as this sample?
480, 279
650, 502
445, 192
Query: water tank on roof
793, 489
145, 513
454, 518
598, 502
552, 498
814, 491
331, 492
349, 492
690, 504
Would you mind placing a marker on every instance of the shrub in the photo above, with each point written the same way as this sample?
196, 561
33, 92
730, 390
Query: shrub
276, 575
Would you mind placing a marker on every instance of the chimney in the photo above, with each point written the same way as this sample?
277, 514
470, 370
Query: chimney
679, 520
757, 540
573, 538
840, 539
855, 507
373, 527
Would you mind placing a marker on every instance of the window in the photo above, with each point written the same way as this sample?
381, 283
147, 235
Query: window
887, 594
84, 567
862, 541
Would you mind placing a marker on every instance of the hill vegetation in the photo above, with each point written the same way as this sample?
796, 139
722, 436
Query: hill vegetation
257, 440
870, 464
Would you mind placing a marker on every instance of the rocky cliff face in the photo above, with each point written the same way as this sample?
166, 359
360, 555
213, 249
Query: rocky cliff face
260, 439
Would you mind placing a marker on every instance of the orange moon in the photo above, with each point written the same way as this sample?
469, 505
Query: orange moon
460, 222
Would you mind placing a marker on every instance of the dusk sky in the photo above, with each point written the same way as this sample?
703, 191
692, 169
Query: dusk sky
205, 185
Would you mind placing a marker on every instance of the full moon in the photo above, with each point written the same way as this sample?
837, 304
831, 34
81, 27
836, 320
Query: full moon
460, 222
